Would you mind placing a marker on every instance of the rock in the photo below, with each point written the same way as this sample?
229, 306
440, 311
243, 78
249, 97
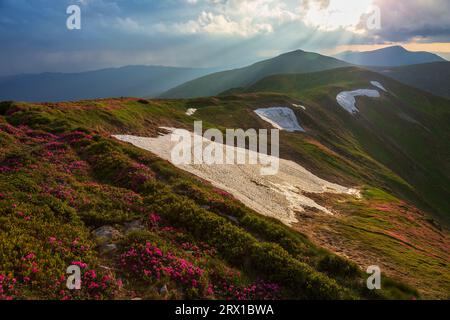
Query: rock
106, 234
233, 219
133, 226
107, 248
164, 290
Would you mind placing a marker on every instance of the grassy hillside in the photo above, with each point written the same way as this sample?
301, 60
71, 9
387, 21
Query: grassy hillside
293, 62
431, 77
62, 178
385, 148
399, 131
163, 233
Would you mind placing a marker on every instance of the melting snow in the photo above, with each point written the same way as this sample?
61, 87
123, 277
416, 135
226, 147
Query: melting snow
346, 99
280, 118
378, 85
299, 106
191, 111
280, 196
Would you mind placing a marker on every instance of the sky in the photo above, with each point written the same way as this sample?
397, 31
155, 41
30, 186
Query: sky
208, 33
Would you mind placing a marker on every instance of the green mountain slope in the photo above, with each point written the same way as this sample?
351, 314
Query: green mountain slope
387, 146
400, 130
431, 77
292, 62
62, 177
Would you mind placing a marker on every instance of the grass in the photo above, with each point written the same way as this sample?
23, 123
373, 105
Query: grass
63, 176
380, 229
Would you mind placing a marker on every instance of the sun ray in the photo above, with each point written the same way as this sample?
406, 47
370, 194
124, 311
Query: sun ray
338, 14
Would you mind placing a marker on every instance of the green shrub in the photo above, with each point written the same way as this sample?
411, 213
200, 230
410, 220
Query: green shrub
305, 282
4, 106
336, 266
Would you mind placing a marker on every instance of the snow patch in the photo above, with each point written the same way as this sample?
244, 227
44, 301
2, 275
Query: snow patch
346, 99
279, 196
280, 118
299, 106
191, 111
378, 85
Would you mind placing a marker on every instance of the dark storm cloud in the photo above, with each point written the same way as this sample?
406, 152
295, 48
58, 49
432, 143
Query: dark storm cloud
407, 20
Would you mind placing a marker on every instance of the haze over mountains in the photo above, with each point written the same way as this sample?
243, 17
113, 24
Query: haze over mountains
130, 81
388, 57
292, 62
432, 77
422, 70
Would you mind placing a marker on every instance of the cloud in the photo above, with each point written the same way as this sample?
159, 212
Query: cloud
427, 20
128, 24
220, 24
204, 33
244, 18
329, 15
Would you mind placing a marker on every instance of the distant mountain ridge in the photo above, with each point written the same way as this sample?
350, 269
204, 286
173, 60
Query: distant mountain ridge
388, 57
292, 62
133, 81
432, 77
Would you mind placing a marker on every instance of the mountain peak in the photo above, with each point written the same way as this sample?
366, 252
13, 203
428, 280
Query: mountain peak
393, 56
297, 61
394, 48
294, 52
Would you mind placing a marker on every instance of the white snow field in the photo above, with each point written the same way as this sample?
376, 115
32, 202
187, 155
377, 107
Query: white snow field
280, 118
378, 85
191, 111
346, 99
279, 196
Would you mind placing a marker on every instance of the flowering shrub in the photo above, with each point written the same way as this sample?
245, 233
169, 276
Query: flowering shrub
12, 164
61, 192
8, 289
135, 175
183, 271
222, 193
154, 220
257, 291
228, 286
29, 266
148, 262
198, 251
77, 167
93, 285
58, 185
76, 137
75, 247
